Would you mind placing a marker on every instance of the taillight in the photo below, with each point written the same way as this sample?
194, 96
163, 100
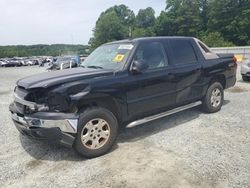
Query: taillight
235, 61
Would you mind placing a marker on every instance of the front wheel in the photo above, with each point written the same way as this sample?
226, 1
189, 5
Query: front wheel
97, 132
214, 98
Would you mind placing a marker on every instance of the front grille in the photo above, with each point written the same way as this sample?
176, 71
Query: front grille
21, 92
27, 101
25, 94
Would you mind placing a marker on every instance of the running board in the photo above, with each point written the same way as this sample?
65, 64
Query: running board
163, 114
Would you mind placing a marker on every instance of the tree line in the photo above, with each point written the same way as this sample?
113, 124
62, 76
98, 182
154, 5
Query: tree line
42, 50
217, 22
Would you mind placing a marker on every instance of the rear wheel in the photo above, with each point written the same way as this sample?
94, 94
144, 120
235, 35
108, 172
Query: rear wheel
97, 132
214, 98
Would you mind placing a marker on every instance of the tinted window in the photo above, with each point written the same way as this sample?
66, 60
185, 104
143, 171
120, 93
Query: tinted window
153, 54
183, 52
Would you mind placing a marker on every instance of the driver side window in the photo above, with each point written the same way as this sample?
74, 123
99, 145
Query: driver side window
153, 54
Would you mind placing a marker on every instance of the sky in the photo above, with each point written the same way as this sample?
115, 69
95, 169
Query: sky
27, 22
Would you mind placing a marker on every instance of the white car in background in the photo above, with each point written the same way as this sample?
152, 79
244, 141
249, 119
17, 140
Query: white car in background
245, 70
3, 63
29, 63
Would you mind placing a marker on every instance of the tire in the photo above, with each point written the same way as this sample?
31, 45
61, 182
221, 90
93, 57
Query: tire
214, 98
97, 132
245, 78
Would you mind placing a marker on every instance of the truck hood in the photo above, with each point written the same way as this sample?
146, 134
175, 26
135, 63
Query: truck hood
49, 79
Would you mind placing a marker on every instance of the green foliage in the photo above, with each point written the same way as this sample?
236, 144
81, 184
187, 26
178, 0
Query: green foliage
141, 32
184, 16
165, 25
217, 22
113, 24
214, 39
144, 23
42, 50
145, 18
125, 15
108, 28
231, 18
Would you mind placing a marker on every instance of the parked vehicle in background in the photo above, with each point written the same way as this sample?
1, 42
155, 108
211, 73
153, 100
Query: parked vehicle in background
65, 62
123, 83
245, 70
11, 63
2, 63
28, 63
35, 61
43, 62
23, 61
31, 62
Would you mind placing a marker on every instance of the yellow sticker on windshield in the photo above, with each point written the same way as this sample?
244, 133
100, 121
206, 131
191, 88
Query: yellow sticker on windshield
118, 58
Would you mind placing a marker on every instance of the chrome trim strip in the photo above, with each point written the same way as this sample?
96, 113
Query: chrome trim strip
32, 105
73, 123
18, 118
163, 114
65, 125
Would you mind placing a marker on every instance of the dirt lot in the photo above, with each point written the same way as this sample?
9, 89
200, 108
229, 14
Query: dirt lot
188, 149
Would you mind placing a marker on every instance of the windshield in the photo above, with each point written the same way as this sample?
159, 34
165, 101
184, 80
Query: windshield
112, 56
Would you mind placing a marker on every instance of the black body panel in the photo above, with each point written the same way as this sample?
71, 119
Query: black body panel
131, 96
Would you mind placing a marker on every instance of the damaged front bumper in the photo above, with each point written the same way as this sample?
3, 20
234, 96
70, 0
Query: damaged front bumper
52, 126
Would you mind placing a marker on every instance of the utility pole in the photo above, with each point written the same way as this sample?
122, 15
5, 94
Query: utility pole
130, 32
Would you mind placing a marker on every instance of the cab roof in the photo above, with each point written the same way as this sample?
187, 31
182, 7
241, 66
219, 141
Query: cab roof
136, 40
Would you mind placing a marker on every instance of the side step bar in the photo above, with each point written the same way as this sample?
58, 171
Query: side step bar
163, 114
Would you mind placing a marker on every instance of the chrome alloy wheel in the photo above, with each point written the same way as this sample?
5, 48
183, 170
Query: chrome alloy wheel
95, 133
216, 97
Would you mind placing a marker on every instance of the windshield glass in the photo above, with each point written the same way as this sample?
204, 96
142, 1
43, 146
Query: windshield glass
112, 56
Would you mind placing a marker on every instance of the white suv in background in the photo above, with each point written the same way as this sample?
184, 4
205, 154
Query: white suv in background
245, 69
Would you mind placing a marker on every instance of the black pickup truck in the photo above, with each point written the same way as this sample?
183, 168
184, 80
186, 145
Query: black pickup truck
121, 84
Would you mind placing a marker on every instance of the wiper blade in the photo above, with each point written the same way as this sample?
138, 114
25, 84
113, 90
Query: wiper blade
95, 67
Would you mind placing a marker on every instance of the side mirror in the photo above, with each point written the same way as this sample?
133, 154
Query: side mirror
139, 67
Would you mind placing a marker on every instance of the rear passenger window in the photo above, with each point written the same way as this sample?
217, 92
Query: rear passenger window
183, 52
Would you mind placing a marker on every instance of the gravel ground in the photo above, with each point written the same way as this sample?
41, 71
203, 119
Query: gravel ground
188, 149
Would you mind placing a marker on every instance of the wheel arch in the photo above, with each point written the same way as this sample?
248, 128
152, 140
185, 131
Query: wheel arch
219, 78
105, 101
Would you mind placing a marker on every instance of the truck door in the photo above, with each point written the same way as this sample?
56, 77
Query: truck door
187, 70
153, 89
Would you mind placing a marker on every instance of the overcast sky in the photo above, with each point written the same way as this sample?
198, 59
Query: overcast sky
57, 21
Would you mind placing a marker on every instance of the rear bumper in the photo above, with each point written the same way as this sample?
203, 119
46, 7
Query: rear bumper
54, 127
